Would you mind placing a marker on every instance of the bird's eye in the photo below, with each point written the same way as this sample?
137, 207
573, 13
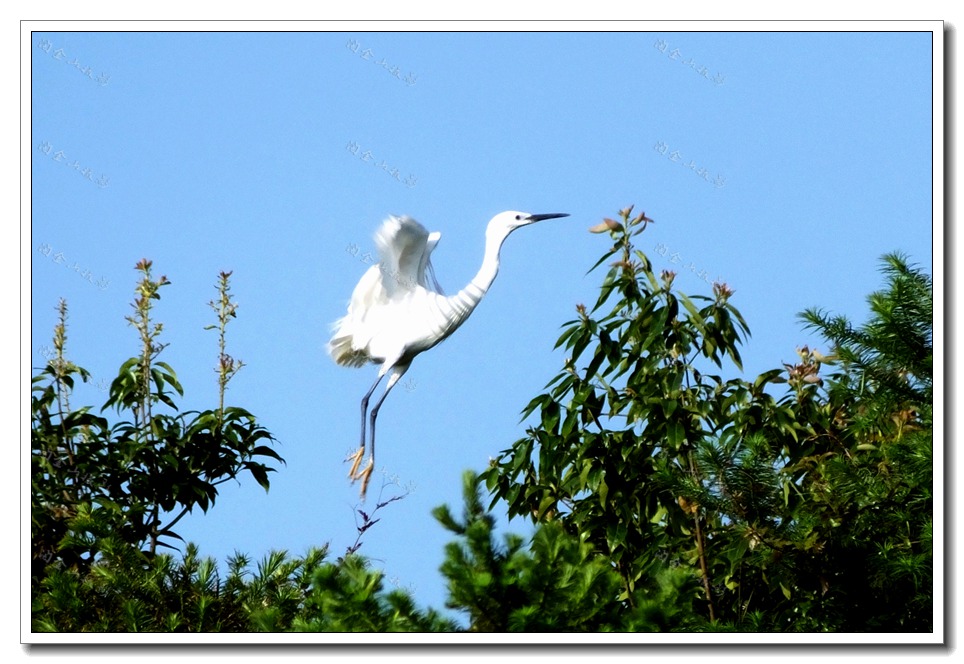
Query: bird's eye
518, 217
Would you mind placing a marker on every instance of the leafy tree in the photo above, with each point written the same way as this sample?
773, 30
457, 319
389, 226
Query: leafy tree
128, 591
793, 509
105, 497
875, 492
135, 479
556, 584
350, 597
888, 361
619, 435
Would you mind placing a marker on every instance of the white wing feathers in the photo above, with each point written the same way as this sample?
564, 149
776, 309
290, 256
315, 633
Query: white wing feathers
404, 246
433, 239
346, 346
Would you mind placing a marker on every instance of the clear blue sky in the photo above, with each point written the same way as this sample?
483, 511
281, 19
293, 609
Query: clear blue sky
782, 163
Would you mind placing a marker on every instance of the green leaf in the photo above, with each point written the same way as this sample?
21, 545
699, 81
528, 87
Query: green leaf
603, 258
260, 473
262, 450
675, 434
550, 416
581, 341
571, 328
171, 377
595, 363
695, 315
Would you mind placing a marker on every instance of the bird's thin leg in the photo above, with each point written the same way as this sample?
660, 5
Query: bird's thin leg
360, 454
397, 372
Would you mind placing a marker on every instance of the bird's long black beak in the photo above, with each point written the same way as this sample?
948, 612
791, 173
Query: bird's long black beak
553, 215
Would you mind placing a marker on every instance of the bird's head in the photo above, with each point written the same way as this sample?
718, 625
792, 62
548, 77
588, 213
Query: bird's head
506, 222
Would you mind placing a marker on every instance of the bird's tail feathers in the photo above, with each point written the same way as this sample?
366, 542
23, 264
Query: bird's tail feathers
343, 354
340, 347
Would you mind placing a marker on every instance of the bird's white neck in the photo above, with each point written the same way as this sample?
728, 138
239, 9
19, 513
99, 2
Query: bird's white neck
494, 237
463, 303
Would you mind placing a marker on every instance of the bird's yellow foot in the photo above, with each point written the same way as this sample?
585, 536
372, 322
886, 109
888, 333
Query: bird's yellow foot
355, 460
365, 476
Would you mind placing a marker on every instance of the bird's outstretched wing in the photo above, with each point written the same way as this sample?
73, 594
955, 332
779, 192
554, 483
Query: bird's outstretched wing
405, 247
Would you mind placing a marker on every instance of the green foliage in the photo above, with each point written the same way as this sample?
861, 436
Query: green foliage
104, 497
619, 430
129, 591
875, 491
135, 479
556, 584
808, 510
350, 597
889, 360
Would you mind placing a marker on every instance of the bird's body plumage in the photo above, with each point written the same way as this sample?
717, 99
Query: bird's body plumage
398, 310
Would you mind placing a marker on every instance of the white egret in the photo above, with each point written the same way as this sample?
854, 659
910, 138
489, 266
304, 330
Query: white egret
396, 313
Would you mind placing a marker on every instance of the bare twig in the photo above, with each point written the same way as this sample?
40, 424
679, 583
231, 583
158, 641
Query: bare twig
369, 520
